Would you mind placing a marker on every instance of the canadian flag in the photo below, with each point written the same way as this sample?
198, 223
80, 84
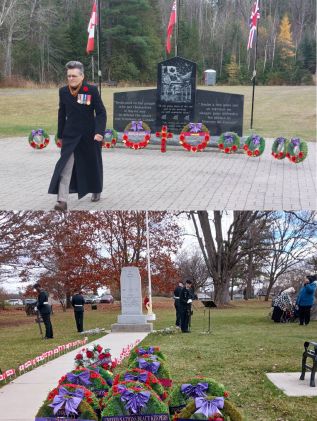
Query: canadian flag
91, 29
170, 27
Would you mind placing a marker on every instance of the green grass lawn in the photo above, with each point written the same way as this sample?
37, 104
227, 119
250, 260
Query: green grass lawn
243, 346
279, 110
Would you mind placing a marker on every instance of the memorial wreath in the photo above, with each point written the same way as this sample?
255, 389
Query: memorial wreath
137, 128
110, 138
164, 134
156, 366
191, 130
146, 351
87, 378
39, 139
94, 355
297, 150
229, 142
254, 145
105, 374
279, 148
117, 387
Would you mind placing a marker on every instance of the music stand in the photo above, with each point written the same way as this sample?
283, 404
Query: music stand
209, 304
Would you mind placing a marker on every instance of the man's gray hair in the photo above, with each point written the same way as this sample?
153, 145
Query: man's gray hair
75, 65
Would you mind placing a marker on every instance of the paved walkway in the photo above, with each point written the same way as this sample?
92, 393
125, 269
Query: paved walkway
176, 180
21, 399
290, 384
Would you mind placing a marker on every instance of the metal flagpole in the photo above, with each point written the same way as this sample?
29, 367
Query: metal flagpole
178, 4
150, 313
254, 70
98, 46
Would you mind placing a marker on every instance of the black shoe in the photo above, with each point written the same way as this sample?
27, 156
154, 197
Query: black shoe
95, 197
60, 206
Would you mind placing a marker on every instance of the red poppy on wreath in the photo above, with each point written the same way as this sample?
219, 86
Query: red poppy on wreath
194, 129
133, 129
85, 89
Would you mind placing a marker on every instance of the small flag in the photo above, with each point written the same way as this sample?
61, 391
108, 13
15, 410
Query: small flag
91, 29
255, 15
170, 27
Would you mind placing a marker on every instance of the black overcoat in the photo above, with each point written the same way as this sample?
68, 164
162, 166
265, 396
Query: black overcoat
77, 126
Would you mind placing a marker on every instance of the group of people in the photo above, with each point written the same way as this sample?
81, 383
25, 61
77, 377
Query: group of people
44, 309
283, 303
183, 298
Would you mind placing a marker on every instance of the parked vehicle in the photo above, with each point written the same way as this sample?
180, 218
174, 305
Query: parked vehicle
107, 298
88, 299
15, 302
96, 298
29, 301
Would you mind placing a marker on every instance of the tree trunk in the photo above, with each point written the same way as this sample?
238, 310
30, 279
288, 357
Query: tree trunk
222, 295
8, 56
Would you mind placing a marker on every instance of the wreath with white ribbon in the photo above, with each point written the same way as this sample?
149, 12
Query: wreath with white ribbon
194, 130
134, 130
279, 148
39, 139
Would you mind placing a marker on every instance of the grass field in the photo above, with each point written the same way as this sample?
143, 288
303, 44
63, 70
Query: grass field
279, 110
243, 346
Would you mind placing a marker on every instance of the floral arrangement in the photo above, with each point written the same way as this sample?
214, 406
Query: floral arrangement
209, 408
192, 388
39, 139
87, 378
296, 150
194, 129
105, 374
172, 330
128, 384
254, 145
144, 377
133, 401
156, 366
70, 400
229, 142
137, 128
279, 148
164, 135
146, 351
110, 138
94, 355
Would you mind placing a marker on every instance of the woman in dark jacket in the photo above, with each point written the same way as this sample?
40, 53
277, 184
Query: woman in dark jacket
81, 126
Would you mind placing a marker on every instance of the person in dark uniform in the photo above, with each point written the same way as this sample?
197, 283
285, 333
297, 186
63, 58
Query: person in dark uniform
177, 292
44, 309
185, 299
81, 126
78, 302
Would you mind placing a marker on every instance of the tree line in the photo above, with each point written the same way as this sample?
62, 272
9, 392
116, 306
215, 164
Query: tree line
37, 38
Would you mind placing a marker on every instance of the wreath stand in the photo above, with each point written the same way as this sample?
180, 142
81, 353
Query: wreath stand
208, 304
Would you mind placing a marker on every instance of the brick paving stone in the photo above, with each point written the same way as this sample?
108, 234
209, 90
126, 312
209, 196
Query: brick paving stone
176, 180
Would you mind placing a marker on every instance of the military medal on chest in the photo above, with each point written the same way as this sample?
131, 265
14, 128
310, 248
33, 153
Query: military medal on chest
84, 99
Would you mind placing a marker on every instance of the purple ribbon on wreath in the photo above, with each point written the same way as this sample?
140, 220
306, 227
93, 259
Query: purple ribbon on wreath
209, 408
256, 140
80, 378
194, 391
149, 350
280, 140
142, 377
145, 365
228, 138
37, 132
71, 400
137, 126
134, 401
295, 141
195, 127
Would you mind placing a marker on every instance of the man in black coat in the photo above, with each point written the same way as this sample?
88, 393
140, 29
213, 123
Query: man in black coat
78, 302
81, 126
44, 309
177, 293
185, 299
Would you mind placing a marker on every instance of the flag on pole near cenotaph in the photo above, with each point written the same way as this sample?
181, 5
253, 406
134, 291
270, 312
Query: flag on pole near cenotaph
170, 27
91, 29
255, 15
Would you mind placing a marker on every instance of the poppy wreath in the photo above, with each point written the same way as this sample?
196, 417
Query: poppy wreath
145, 351
136, 127
58, 142
110, 138
87, 378
156, 366
39, 139
229, 142
213, 408
94, 354
142, 376
164, 135
117, 387
69, 400
279, 148
192, 388
254, 145
194, 129
133, 401
297, 150
105, 374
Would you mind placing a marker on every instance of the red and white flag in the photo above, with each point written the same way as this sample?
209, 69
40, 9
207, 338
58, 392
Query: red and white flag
255, 15
91, 29
170, 27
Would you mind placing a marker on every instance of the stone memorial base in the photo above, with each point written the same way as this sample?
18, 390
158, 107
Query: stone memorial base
132, 327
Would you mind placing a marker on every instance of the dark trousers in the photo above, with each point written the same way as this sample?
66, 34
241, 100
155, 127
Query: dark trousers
277, 314
178, 313
304, 315
79, 317
48, 325
185, 317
